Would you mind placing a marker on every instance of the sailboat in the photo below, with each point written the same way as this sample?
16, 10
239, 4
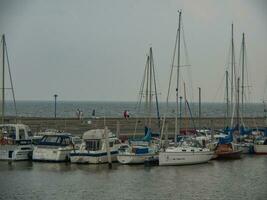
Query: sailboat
226, 147
139, 151
15, 142
188, 150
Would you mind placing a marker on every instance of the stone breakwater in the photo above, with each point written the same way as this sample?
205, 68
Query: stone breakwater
123, 126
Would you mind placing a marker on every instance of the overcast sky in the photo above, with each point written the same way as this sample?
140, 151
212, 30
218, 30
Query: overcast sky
96, 50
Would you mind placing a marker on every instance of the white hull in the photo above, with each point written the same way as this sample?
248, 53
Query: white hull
92, 158
51, 154
134, 158
15, 152
260, 149
184, 158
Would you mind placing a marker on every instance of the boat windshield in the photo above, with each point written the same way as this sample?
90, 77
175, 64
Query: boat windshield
189, 142
55, 140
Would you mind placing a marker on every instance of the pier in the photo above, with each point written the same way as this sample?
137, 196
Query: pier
123, 126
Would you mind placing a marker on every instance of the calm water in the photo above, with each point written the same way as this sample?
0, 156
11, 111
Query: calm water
115, 109
220, 180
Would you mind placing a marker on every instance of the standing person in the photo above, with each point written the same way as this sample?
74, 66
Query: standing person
93, 113
78, 112
125, 114
81, 115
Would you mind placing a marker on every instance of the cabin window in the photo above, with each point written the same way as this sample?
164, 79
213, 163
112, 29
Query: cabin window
117, 142
66, 141
21, 134
9, 132
111, 144
30, 134
93, 145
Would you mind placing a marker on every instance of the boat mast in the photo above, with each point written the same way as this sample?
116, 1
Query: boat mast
155, 86
232, 68
227, 98
146, 104
150, 88
177, 83
237, 107
185, 110
199, 106
243, 76
3, 80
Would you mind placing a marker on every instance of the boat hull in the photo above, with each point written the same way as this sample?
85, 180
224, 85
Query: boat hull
135, 158
260, 149
229, 155
15, 152
184, 158
93, 158
50, 154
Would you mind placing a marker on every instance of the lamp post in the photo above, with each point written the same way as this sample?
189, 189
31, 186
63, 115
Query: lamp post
55, 95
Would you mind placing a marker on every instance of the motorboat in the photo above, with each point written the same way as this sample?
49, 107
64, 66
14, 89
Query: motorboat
260, 145
15, 143
54, 148
188, 151
94, 149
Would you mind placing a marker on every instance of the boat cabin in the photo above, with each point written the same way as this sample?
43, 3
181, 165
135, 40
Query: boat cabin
15, 132
94, 140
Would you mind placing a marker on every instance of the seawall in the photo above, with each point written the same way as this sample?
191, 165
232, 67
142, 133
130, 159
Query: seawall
123, 126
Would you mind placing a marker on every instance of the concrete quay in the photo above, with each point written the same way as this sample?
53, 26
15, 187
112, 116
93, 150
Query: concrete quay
123, 126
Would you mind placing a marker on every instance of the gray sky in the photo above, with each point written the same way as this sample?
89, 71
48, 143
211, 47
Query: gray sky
96, 50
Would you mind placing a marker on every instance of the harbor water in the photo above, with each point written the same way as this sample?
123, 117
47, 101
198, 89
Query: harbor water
221, 180
116, 109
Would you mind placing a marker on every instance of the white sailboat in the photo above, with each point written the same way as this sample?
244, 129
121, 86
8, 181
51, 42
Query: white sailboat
15, 142
146, 149
186, 151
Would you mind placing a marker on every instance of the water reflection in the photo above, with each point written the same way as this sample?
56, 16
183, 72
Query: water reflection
236, 179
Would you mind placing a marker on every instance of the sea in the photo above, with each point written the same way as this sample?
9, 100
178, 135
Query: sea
116, 109
244, 179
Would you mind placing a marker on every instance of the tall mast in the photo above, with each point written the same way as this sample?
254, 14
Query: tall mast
155, 87
237, 107
150, 87
199, 106
232, 67
227, 97
3, 80
243, 74
147, 78
177, 83
185, 109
